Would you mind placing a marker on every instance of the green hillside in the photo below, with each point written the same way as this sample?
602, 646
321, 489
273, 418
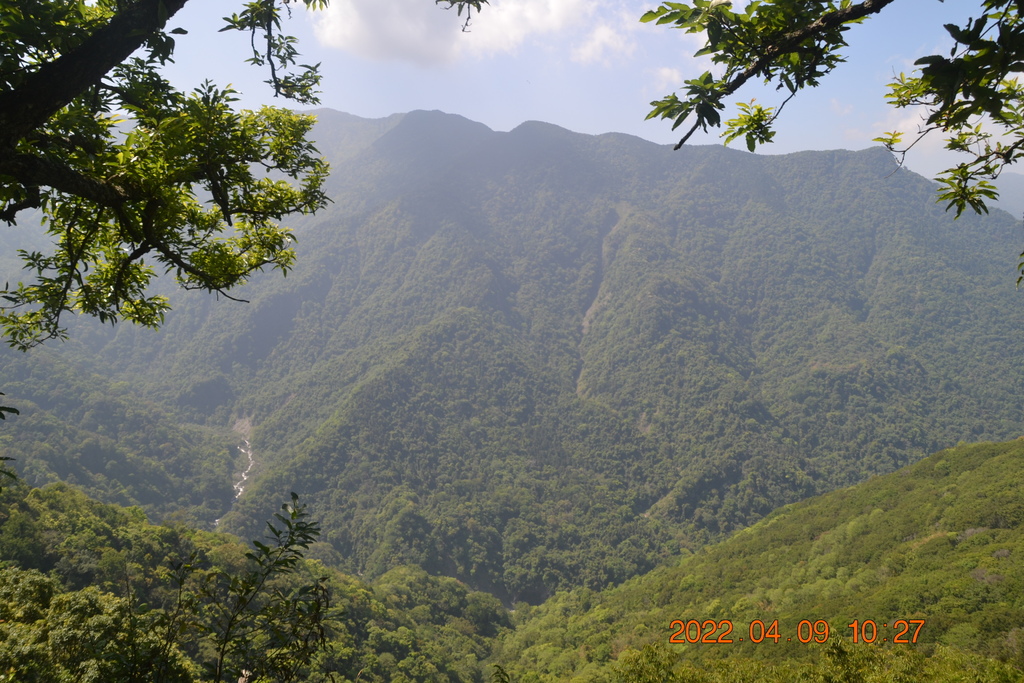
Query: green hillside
537, 360
79, 427
939, 542
92, 592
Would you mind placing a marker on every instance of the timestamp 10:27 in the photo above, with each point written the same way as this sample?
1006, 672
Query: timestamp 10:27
905, 631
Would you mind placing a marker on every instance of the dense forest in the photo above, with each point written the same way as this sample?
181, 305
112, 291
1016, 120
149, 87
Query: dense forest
512, 371
913, 576
938, 543
93, 592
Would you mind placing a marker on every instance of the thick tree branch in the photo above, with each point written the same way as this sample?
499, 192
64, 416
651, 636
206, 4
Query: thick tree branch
32, 200
122, 269
36, 171
51, 87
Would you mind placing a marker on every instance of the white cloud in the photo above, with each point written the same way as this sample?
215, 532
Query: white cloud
405, 30
604, 43
505, 24
840, 108
667, 79
419, 31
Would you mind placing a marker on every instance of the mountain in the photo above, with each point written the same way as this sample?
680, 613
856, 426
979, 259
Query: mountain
77, 426
536, 360
936, 545
1011, 192
929, 555
90, 591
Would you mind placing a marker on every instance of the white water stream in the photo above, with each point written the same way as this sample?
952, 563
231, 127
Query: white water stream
239, 486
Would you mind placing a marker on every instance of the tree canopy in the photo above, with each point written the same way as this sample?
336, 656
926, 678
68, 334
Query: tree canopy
971, 96
92, 134
134, 176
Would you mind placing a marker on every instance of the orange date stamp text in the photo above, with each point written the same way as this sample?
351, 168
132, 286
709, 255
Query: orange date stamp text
723, 631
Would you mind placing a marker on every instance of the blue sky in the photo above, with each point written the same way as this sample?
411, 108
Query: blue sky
586, 65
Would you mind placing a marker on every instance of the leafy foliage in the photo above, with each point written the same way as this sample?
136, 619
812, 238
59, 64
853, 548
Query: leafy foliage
795, 44
112, 200
838, 661
537, 360
92, 592
939, 541
968, 93
251, 624
223, 615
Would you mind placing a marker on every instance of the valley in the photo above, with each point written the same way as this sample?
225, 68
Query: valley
545, 393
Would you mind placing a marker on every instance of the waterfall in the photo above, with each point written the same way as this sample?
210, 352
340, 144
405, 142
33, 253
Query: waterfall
239, 485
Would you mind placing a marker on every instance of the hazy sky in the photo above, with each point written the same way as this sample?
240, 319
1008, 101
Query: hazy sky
587, 65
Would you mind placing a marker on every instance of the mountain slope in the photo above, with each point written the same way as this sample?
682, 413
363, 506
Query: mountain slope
537, 359
78, 427
90, 591
941, 541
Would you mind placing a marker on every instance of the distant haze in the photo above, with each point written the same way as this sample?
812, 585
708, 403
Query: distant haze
539, 359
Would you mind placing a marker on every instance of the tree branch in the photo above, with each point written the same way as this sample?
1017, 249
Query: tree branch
32, 200
36, 171
184, 266
122, 269
788, 41
53, 85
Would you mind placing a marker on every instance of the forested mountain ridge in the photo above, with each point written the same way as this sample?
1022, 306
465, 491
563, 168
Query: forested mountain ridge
77, 426
939, 543
92, 592
537, 359
936, 545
